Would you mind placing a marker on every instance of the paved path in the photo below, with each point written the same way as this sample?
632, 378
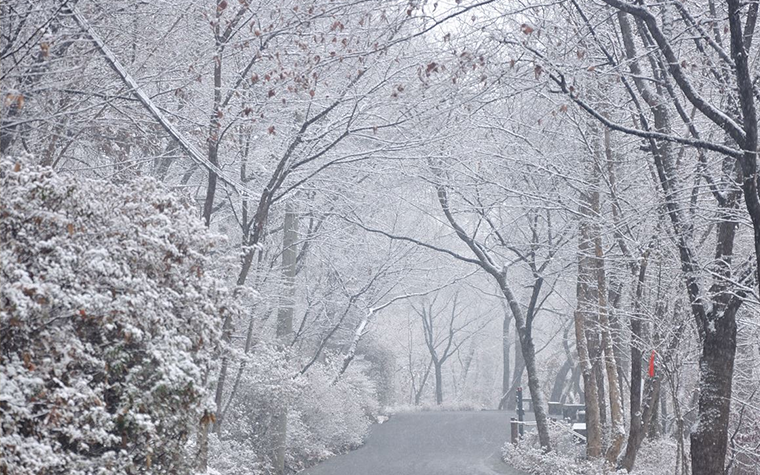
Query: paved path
428, 443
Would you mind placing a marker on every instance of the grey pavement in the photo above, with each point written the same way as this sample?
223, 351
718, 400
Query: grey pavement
428, 443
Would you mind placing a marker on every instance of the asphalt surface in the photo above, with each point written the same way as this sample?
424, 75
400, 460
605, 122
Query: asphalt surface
428, 443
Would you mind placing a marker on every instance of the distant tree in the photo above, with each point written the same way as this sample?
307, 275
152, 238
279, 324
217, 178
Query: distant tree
444, 336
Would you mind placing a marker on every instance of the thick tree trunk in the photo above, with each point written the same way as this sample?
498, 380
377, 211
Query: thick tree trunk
716, 369
715, 319
617, 437
537, 398
285, 323
529, 355
587, 302
593, 425
596, 355
438, 382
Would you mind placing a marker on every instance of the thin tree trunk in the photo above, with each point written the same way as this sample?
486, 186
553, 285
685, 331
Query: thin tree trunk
219, 396
616, 327
523, 321
537, 398
215, 126
466, 365
505, 347
418, 393
529, 355
681, 460
634, 435
653, 431
508, 398
560, 380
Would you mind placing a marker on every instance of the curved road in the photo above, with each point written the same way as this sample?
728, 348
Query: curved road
428, 443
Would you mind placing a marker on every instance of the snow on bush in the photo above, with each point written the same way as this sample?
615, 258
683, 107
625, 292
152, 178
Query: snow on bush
658, 457
108, 323
244, 445
565, 459
335, 416
655, 457
325, 416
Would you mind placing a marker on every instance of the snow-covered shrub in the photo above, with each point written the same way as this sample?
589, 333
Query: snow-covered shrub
333, 416
568, 456
658, 457
325, 416
565, 459
265, 389
108, 323
233, 458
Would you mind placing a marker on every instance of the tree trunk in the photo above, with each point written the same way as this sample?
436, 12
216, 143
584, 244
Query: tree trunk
201, 461
716, 368
215, 125
461, 386
537, 398
523, 322
616, 410
218, 397
418, 393
560, 380
715, 320
505, 347
285, 323
529, 355
616, 326
596, 355
634, 436
681, 458
438, 382
508, 398
593, 425
586, 303
653, 430
576, 384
